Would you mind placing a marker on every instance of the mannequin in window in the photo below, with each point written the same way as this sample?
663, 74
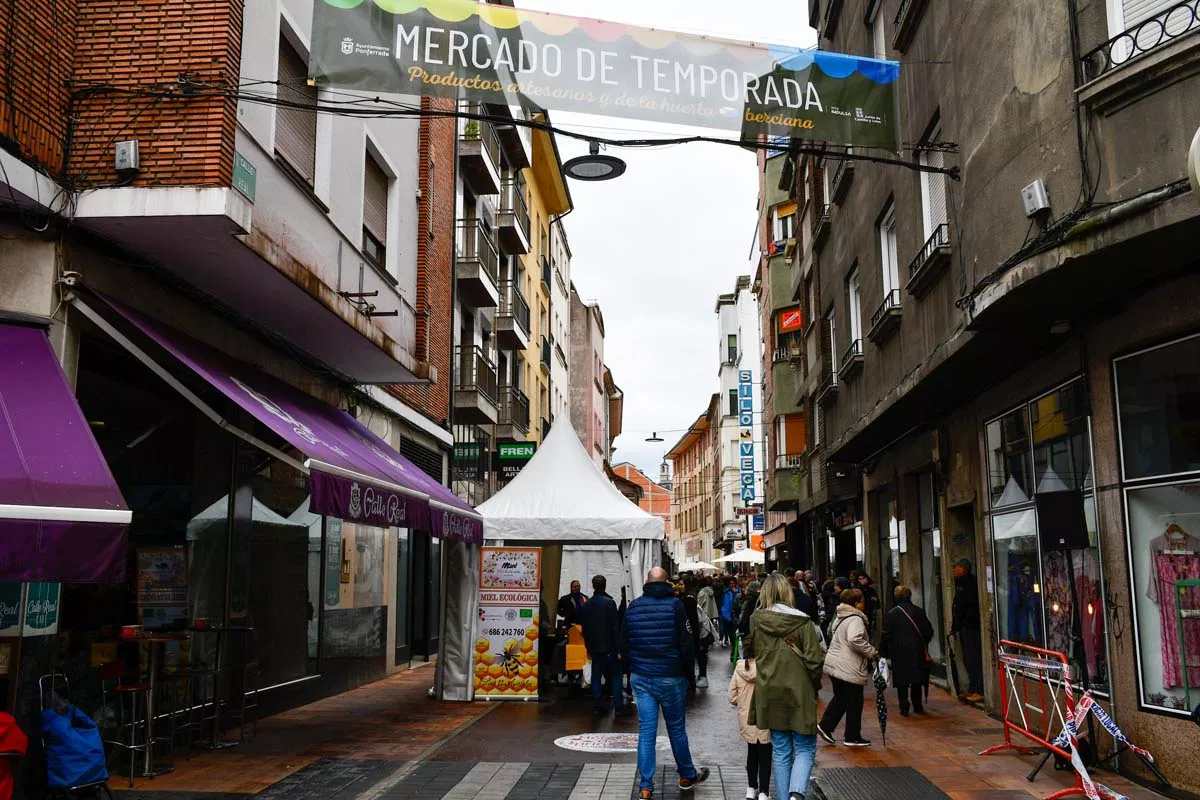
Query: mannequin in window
1176, 557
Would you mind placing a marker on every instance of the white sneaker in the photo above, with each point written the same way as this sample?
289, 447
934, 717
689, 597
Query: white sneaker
702, 683
751, 793
763, 796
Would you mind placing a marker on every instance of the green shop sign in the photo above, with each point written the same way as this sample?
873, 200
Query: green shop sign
498, 54
512, 457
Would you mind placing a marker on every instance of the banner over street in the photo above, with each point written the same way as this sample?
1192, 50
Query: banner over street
496, 54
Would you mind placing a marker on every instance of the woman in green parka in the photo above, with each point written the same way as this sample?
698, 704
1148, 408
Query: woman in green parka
789, 662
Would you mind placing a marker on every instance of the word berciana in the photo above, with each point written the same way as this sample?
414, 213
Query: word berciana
451, 48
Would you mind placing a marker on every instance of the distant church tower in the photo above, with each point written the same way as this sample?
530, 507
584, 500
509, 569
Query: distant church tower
664, 476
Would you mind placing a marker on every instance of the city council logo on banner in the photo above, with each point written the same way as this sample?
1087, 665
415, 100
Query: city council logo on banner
509, 56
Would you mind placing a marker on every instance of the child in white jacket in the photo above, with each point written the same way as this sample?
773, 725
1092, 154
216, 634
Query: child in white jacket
758, 742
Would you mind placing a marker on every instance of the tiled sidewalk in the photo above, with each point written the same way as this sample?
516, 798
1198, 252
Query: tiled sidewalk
944, 745
355, 738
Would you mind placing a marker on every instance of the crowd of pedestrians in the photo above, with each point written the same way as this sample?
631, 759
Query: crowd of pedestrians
786, 636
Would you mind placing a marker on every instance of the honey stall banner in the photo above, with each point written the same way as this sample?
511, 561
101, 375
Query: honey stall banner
512, 56
506, 642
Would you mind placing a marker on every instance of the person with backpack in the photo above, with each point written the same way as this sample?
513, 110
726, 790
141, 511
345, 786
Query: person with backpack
702, 633
727, 602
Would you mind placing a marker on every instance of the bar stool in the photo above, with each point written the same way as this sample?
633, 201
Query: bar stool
113, 685
246, 712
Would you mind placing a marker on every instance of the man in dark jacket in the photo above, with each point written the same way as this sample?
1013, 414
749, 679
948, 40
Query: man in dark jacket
802, 601
570, 604
906, 635
601, 636
691, 605
656, 639
964, 623
749, 604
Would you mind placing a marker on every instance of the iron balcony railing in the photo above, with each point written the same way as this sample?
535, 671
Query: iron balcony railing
476, 242
907, 17
790, 461
841, 179
514, 408
512, 304
786, 353
546, 352
546, 271
512, 201
476, 372
855, 350
545, 428
820, 223
475, 130
1142, 38
828, 387
891, 301
938, 240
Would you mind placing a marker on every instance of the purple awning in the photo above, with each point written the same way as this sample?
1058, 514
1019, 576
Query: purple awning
355, 475
62, 517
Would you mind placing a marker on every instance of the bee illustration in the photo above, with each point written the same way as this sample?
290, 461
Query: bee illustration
510, 658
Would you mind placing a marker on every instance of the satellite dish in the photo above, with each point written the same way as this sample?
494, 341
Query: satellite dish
1194, 162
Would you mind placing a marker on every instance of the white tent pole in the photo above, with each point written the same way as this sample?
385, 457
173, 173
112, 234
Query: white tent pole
626, 548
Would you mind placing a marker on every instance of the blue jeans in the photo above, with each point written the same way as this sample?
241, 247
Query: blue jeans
794, 754
606, 679
669, 694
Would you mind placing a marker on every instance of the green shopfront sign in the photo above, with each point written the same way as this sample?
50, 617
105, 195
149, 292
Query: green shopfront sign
498, 54
512, 457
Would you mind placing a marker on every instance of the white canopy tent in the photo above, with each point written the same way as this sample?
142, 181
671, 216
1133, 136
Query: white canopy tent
746, 556
560, 498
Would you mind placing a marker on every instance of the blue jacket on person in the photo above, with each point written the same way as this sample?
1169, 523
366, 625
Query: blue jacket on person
656, 638
727, 605
601, 625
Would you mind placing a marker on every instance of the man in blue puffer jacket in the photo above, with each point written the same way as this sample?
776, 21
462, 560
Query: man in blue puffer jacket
656, 641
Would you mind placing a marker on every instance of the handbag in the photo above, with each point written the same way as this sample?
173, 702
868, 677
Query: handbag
928, 658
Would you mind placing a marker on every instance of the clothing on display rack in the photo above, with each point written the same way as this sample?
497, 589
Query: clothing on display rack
1174, 539
1061, 605
1169, 568
1024, 602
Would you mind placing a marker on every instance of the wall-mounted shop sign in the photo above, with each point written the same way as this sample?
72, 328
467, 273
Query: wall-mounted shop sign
746, 435
499, 54
511, 458
468, 461
791, 320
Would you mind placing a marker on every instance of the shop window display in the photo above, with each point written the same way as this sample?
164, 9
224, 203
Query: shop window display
1158, 401
1049, 590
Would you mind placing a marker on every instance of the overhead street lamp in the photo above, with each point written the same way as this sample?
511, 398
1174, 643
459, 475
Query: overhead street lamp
594, 167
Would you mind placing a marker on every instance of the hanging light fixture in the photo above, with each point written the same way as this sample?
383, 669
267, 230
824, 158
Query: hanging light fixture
594, 167
654, 437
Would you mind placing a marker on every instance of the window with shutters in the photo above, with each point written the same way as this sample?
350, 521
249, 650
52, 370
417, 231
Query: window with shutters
295, 124
1165, 22
375, 211
933, 188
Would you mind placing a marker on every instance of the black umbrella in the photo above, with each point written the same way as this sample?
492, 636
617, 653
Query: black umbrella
881, 701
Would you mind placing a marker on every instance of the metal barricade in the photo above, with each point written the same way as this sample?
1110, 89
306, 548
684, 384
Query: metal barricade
1038, 702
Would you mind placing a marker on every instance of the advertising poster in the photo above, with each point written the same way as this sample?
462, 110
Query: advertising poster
506, 653
41, 609
162, 586
10, 608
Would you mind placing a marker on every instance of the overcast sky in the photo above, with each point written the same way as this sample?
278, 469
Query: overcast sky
656, 246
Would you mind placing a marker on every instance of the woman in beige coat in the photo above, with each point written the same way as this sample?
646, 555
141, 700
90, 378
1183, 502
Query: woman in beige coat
758, 741
846, 664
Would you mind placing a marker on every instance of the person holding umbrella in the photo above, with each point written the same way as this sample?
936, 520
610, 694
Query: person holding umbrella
846, 664
906, 637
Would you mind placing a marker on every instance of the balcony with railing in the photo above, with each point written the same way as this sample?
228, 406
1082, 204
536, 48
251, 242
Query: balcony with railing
477, 264
930, 262
906, 22
512, 222
886, 318
820, 225
514, 414
546, 423
843, 176
788, 351
827, 392
476, 387
852, 360
1157, 32
512, 318
478, 151
547, 273
517, 141
546, 354
791, 461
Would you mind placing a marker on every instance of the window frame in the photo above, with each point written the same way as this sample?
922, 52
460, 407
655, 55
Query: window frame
927, 158
889, 250
854, 304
